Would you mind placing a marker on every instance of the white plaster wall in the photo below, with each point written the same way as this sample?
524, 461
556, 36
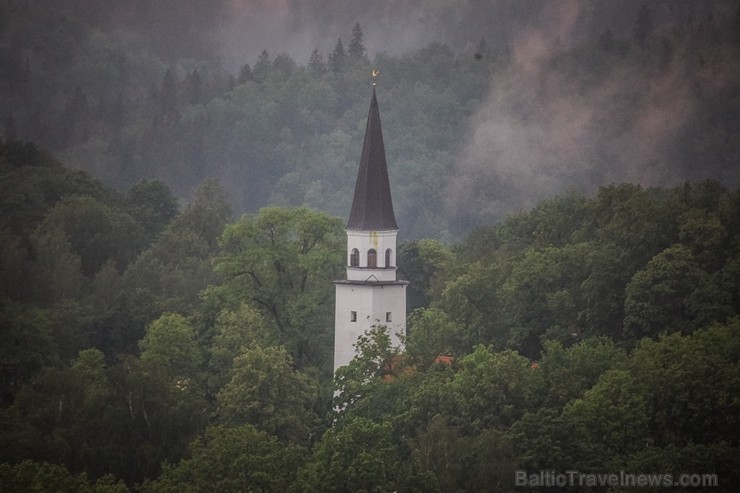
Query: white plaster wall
371, 302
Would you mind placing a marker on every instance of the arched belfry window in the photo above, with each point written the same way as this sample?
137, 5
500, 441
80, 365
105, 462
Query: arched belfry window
388, 255
372, 258
354, 258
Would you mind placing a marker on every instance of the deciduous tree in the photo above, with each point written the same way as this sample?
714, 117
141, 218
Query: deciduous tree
282, 262
266, 392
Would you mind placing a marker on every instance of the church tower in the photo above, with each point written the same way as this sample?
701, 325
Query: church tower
371, 294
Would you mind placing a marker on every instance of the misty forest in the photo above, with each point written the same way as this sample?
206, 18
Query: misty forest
175, 179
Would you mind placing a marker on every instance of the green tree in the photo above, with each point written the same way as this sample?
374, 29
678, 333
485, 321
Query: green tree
424, 263
34, 182
689, 382
89, 371
384, 385
165, 393
361, 456
336, 57
266, 392
89, 402
704, 233
171, 273
473, 300
106, 287
356, 47
208, 214
316, 64
611, 421
603, 290
729, 278
442, 452
31, 477
493, 390
167, 277
152, 204
569, 372
232, 460
169, 349
641, 222
492, 463
15, 266
95, 232
58, 269
542, 295
235, 331
40, 410
245, 74
431, 333
262, 68
26, 332
376, 359
63, 417
543, 440
658, 297
282, 261
283, 67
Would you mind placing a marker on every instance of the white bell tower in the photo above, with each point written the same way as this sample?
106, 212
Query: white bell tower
371, 294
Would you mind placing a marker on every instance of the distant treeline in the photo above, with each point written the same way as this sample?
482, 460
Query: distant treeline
156, 348
136, 91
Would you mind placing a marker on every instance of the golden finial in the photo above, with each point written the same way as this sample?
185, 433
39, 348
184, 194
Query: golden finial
375, 73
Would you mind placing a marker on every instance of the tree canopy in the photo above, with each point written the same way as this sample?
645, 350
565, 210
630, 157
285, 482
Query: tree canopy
591, 332
170, 230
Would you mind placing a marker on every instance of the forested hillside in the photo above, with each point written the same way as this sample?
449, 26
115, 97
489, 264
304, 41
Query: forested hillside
174, 182
147, 347
488, 107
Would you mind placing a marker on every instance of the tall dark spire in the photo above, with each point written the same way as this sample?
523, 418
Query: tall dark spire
372, 207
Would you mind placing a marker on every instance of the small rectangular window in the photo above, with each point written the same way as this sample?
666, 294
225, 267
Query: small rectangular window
353, 316
388, 317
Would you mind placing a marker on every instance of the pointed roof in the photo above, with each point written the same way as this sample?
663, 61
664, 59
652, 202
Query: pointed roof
372, 207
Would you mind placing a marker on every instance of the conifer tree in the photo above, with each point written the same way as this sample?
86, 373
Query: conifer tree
262, 67
245, 74
336, 59
356, 47
316, 63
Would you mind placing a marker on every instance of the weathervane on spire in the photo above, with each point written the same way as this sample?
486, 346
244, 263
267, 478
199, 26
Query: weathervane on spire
375, 73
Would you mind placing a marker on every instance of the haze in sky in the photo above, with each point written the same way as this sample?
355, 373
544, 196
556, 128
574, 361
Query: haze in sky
541, 129
581, 94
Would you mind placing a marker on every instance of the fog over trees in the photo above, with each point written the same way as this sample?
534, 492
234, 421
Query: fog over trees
492, 105
174, 181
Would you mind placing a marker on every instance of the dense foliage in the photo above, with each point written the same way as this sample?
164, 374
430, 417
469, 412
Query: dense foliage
153, 341
137, 91
146, 347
